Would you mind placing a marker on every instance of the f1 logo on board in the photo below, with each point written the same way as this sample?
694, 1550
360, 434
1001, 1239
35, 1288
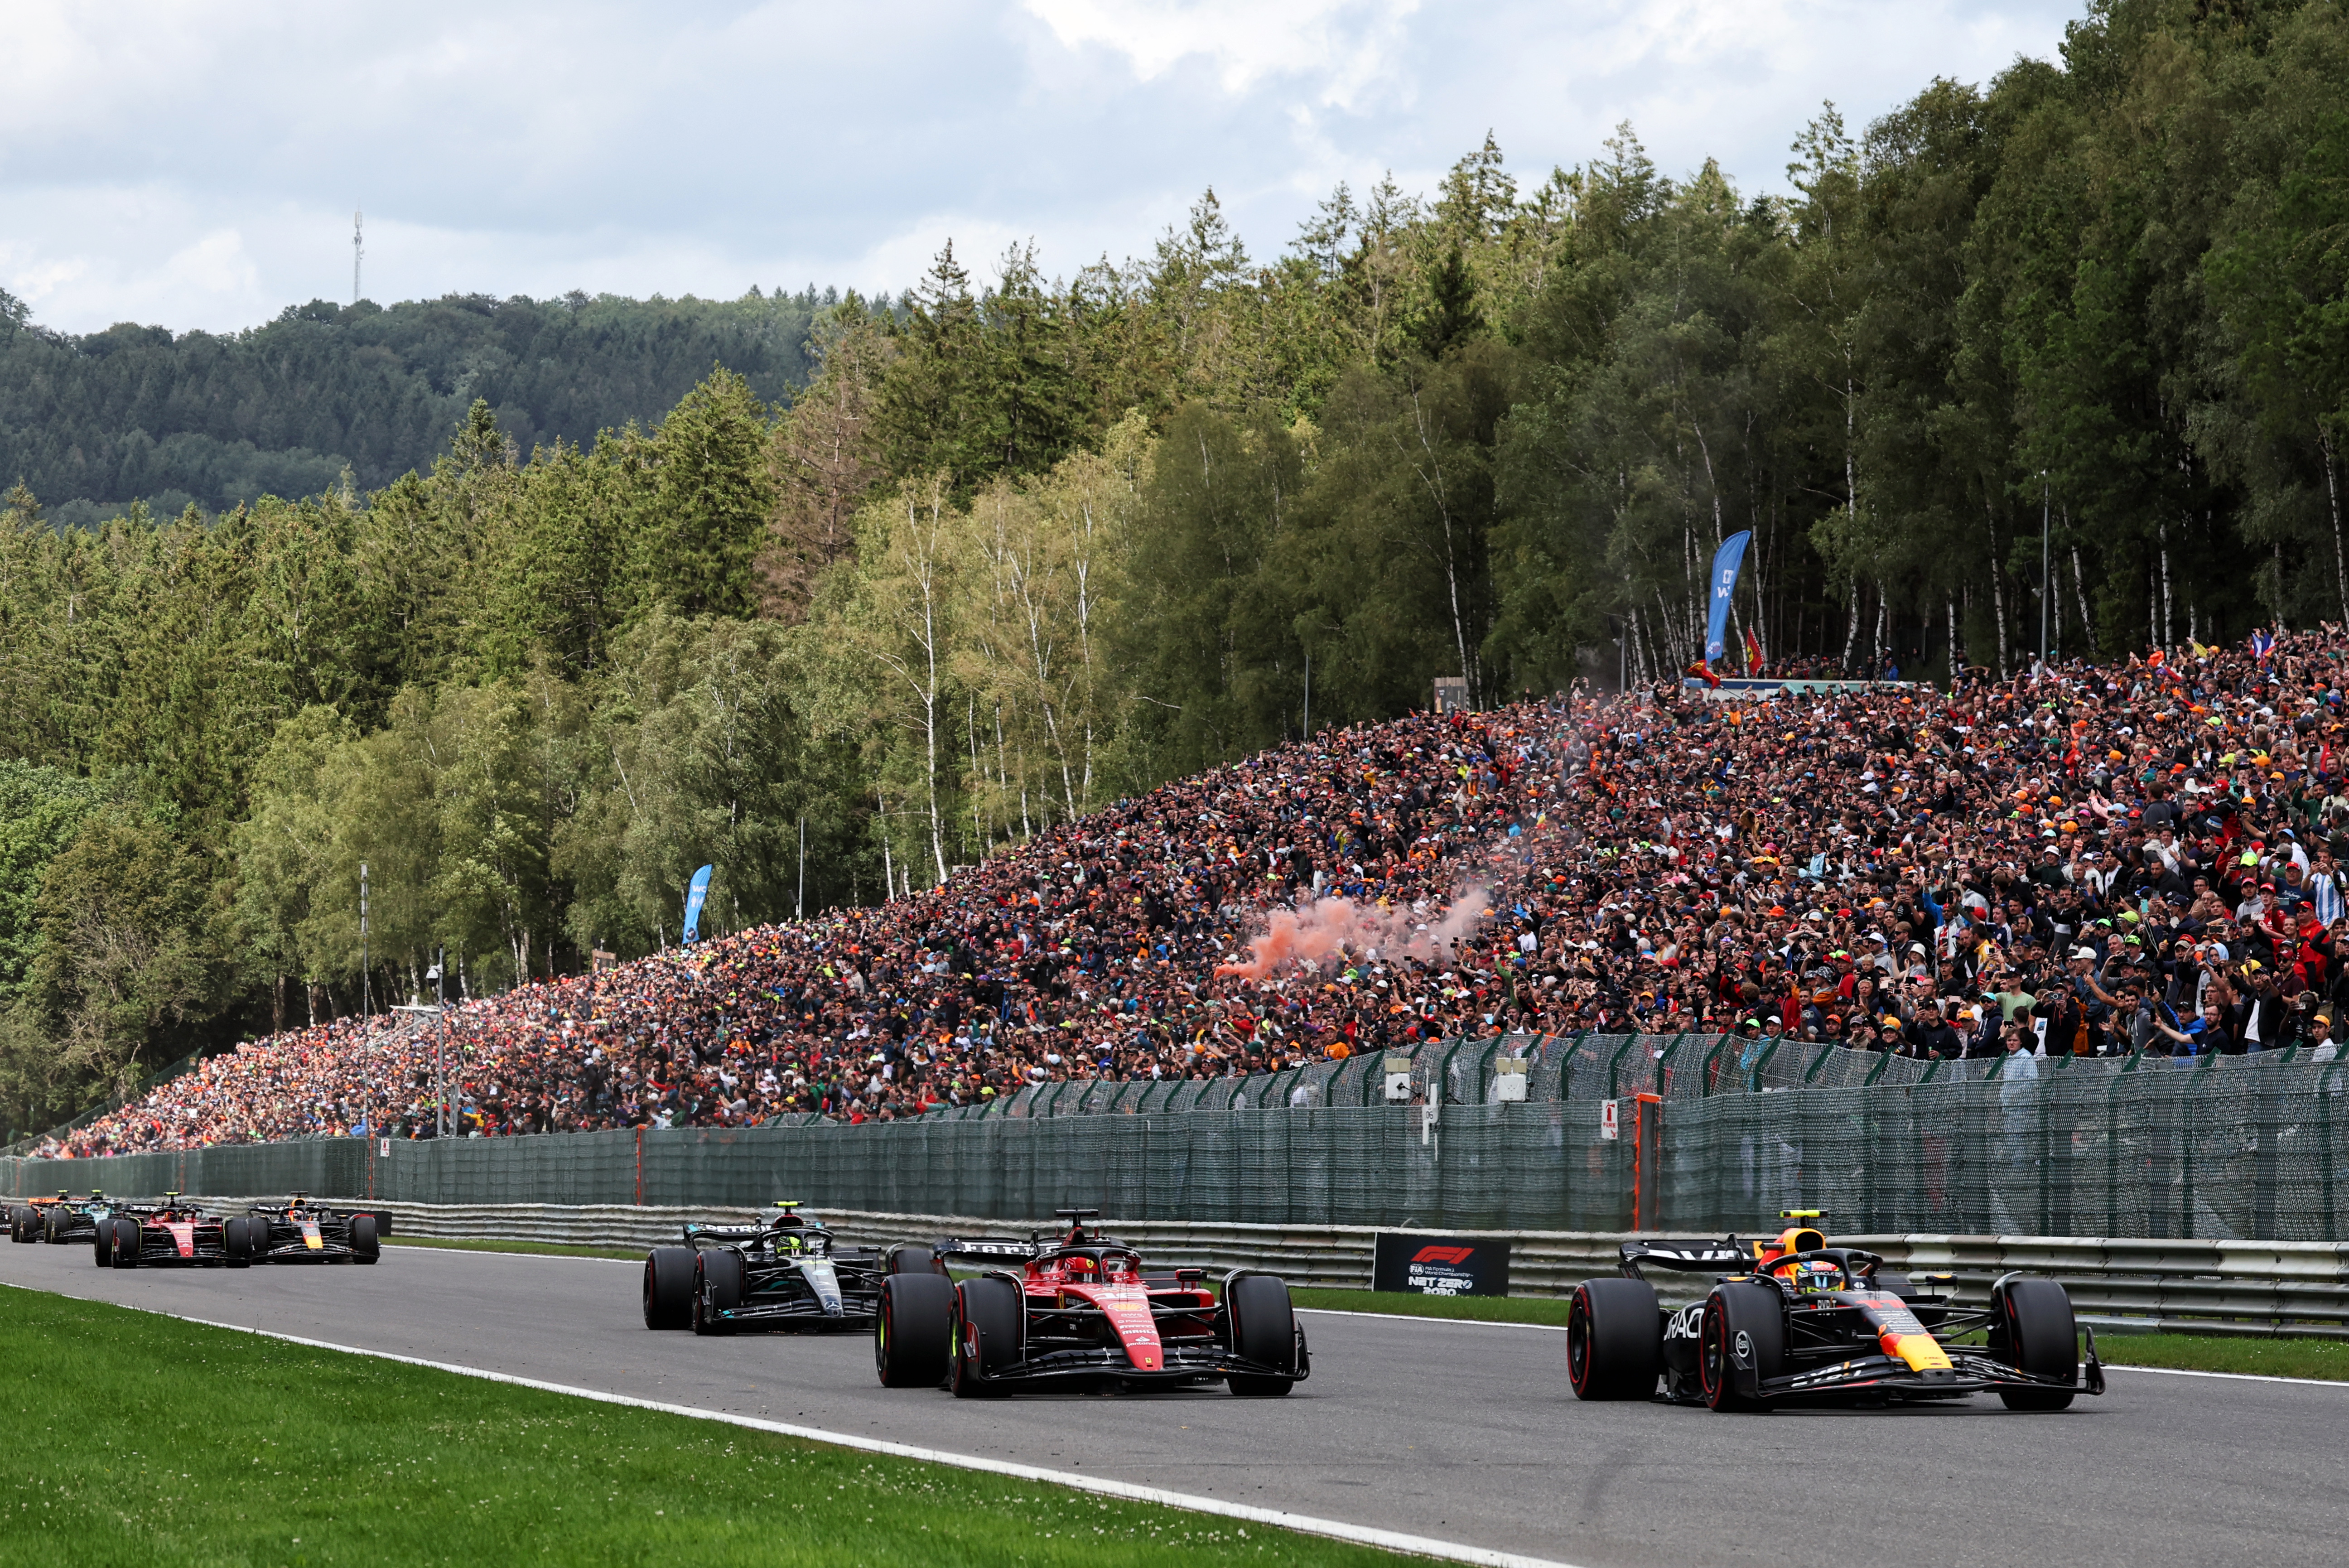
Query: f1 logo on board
1440, 1265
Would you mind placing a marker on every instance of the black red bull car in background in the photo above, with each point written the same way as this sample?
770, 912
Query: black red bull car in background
1792, 1321
303, 1231
1080, 1309
170, 1234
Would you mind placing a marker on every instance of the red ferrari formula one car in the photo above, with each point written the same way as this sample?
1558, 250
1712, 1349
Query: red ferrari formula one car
1081, 1311
1792, 1321
166, 1235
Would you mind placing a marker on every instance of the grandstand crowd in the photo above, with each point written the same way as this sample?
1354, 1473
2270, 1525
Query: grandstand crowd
2143, 856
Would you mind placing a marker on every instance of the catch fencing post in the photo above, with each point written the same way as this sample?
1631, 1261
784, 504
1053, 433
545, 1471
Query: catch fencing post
1647, 1159
2193, 1092
1615, 1064
1664, 1062
640, 1168
1565, 1065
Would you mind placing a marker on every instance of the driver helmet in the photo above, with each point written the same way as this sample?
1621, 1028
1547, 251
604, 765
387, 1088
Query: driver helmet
1818, 1274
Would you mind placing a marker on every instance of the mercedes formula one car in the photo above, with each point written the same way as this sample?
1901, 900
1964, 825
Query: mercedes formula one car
1079, 1310
170, 1234
62, 1219
787, 1272
1794, 1321
301, 1230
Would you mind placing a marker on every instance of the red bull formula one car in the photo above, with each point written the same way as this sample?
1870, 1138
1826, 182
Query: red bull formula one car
1794, 1321
1081, 1311
304, 1230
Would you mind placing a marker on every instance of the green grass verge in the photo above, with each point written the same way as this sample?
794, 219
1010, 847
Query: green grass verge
2327, 1359
496, 1244
1480, 1309
140, 1438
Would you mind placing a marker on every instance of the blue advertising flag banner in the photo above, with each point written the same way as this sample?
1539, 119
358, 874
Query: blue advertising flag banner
693, 896
1725, 562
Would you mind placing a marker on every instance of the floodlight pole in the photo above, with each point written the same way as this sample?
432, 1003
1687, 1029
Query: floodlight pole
367, 989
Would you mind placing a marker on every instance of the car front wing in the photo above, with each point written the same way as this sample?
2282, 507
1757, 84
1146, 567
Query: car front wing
1970, 1371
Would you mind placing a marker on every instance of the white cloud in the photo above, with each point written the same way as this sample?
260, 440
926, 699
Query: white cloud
1343, 46
194, 163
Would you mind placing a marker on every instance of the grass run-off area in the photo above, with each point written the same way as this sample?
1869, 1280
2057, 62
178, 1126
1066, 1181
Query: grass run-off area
497, 1244
138, 1439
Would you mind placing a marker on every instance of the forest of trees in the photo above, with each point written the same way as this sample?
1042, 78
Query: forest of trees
327, 395
1013, 544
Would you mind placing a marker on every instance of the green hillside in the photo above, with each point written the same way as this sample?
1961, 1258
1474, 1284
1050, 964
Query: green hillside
91, 422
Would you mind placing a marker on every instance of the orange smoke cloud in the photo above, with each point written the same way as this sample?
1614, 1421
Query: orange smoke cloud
1324, 926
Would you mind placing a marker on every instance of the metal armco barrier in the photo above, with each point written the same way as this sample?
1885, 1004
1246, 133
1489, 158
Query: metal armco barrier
2266, 1289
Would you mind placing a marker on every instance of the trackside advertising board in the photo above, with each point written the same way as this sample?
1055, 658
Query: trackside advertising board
1428, 1265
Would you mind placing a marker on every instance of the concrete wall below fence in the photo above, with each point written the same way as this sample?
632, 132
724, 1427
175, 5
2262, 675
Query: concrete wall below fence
2240, 1288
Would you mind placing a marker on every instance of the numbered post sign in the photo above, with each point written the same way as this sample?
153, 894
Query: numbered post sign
1606, 1120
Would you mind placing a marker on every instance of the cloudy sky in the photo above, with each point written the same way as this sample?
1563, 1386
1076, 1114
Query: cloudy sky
196, 164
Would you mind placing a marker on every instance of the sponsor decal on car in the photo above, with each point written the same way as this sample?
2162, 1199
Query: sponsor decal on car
1685, 1323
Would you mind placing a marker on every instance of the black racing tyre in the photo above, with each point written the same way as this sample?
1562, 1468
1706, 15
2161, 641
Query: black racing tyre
52, 1232
1263, 1330
126, 1243
1614, 1340
102, 1243
669, 1287
718, 1280
365, 1246
990, 1328
2033, 1332
913, 1259
20, 1224
913, 1330
233, 1239
1745, 1324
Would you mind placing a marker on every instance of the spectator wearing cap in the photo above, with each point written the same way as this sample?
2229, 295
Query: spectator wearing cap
2321, 1047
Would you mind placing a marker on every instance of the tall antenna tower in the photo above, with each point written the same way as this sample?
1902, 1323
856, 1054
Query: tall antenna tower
358, 224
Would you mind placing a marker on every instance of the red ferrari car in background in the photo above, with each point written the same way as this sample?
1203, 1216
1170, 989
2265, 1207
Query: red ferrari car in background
1081, 1310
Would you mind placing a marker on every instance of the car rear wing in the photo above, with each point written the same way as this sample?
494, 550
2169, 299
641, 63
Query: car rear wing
999, 1249
1695, 1257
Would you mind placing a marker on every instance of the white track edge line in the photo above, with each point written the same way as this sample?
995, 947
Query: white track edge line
2235, 1377
1304, 1524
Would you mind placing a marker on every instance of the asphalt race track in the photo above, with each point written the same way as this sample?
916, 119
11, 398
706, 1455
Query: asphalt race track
1459, 1432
